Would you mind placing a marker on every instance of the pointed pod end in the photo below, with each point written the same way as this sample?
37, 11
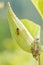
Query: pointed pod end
8, 5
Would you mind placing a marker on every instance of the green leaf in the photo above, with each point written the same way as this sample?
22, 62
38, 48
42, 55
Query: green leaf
39, 6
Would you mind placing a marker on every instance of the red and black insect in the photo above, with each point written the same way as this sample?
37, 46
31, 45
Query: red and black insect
17, 31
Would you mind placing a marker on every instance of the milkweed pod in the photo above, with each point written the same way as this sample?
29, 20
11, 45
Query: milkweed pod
25, 37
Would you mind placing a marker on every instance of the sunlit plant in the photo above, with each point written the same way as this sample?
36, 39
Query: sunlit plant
39, 6
28, 38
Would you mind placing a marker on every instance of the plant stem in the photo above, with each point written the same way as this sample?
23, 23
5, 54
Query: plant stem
39, 59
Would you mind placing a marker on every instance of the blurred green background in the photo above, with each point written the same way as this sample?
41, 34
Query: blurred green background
24, 9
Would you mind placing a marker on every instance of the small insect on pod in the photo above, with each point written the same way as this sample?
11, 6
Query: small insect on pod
17, 31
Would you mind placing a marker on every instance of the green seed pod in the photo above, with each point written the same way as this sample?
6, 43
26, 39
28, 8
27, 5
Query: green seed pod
23, 35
